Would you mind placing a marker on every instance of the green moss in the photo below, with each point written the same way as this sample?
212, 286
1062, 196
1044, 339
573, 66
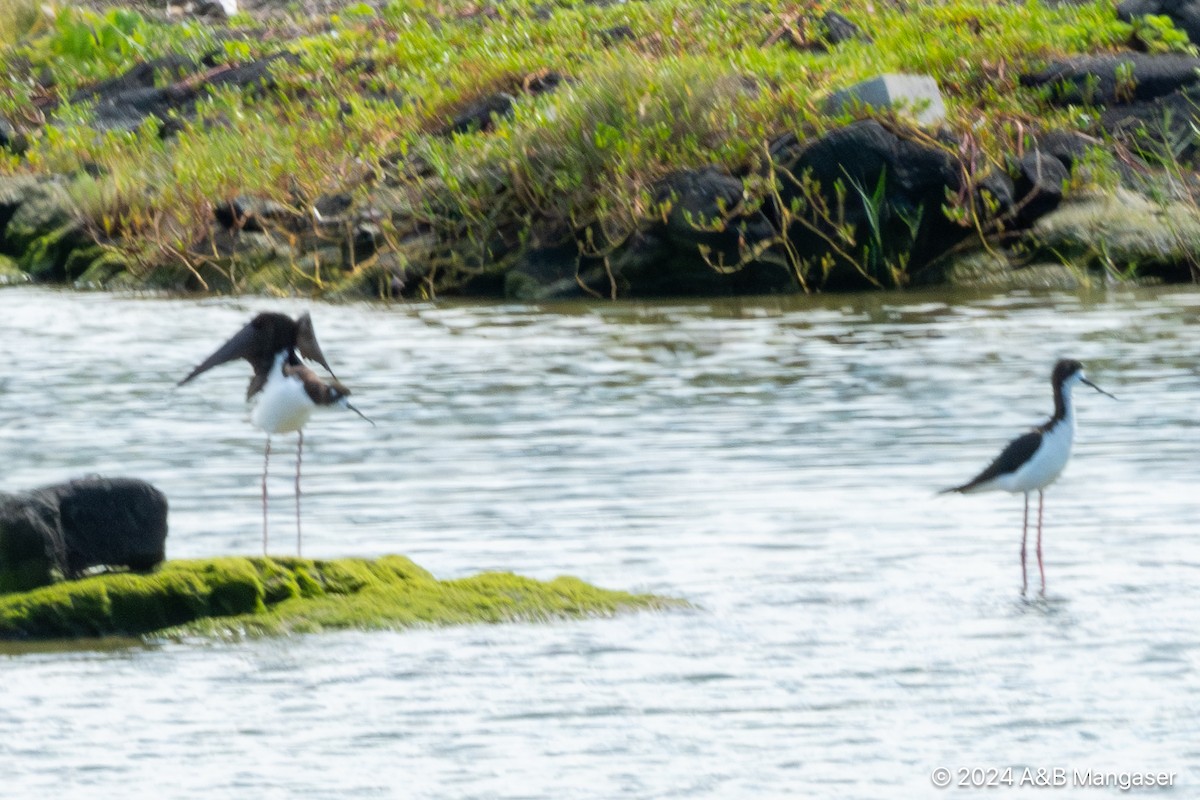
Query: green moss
236, 584
10, 272
82, 612
261, 595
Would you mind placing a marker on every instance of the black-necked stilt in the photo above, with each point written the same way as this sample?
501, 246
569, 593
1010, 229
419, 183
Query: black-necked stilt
289, 389
1035, 460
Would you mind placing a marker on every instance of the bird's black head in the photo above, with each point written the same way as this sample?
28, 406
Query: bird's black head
1067, 372
1064, 370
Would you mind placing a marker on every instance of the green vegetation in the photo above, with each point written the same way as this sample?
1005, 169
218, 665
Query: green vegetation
646, 88
272, 596
18, 18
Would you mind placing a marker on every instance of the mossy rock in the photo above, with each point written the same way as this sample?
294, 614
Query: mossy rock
273, 596
991, 269
99, 268
1123, 233
11, 272
45, 230
14, 189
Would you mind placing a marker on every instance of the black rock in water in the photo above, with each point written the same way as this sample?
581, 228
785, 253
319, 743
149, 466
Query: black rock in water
69, 527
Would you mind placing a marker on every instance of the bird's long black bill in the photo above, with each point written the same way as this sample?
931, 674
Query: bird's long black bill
1098, 389
364, 416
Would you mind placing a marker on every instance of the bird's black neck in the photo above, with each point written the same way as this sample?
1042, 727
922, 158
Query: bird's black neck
1062, 403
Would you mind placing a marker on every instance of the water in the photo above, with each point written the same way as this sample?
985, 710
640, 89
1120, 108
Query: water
774, 461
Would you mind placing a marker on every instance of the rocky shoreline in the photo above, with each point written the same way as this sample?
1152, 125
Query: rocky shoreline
876, 200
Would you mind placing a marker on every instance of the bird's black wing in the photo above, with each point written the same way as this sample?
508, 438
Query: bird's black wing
242, 345
306, 342
258, 342
1019, 451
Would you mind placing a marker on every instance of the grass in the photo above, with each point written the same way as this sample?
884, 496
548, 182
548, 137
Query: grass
695, 84
18, 19
276, 596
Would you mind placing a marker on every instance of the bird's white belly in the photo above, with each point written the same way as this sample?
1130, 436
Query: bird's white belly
1046, 464
283, 406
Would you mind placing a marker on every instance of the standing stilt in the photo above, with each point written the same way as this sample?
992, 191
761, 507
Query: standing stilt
1035, 459
1024, 532
266, 463
1041, 568
299, 455
287, 390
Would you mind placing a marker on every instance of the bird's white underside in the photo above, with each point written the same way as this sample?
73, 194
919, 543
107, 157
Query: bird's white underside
1046, 464
283, 406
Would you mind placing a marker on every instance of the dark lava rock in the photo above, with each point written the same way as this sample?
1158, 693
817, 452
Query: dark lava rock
363, 242
1035, 185
256, 215
113, 522
864, 152
129, 109
1067, 146
892, 193
257, 75
168, 88
151, 88
11, 139
546, 272
331, 206
708, 242
481, 116
838, 29
147, 75
542, 82
1149, 100
1118, 78
1162, 125
1039, 185
699, 200
616, 34
211, 11
1184, 14
1000, 195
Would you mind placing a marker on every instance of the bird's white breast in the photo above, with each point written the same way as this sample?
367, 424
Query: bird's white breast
283, 405
1047, 462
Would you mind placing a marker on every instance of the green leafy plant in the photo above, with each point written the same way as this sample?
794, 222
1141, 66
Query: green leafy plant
1156, 33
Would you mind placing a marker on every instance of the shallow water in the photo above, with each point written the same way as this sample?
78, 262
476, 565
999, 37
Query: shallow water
774, 461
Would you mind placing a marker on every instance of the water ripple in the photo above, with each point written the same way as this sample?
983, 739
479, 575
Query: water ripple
773, 460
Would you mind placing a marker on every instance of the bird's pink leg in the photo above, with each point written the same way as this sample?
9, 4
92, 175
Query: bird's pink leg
266, 463
1041, 568
1024, 532
299, 454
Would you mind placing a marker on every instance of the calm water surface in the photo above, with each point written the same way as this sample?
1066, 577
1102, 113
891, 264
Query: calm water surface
773, 461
